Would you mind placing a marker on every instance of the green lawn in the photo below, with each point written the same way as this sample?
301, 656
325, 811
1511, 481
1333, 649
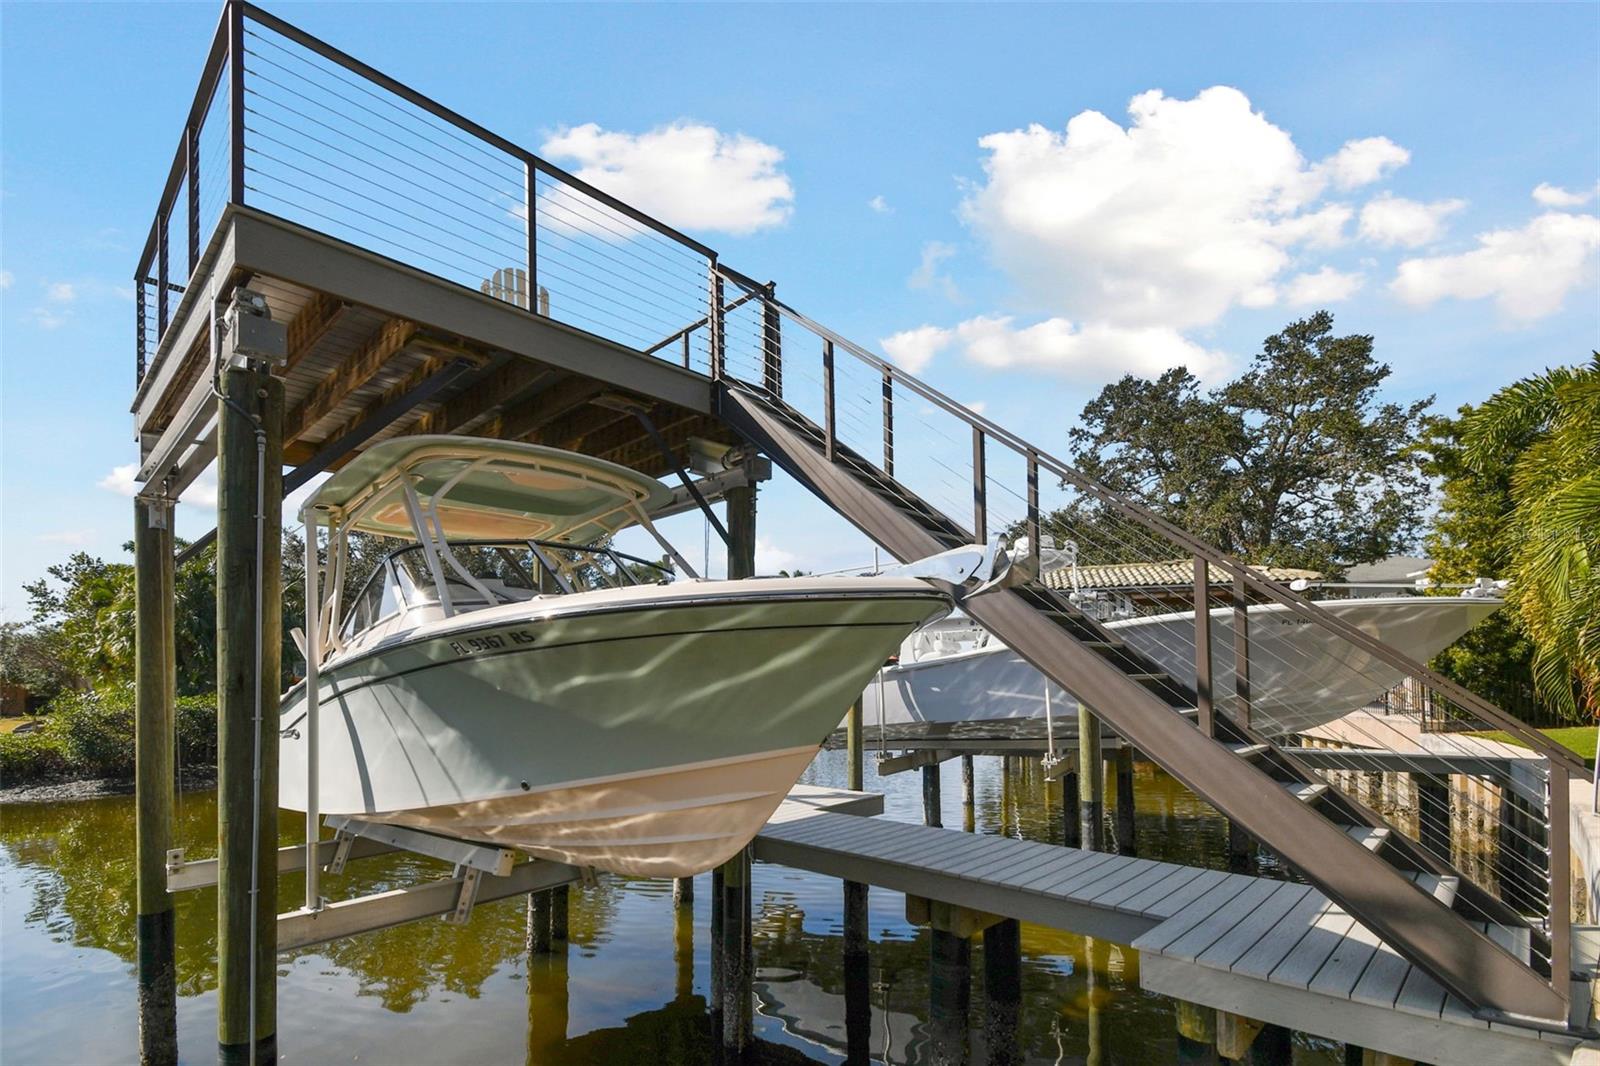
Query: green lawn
1579, 739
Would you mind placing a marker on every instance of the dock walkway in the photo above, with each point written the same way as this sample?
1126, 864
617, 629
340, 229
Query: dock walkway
1276, 951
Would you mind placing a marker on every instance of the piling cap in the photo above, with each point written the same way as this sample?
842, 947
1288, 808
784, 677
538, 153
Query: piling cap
486, 489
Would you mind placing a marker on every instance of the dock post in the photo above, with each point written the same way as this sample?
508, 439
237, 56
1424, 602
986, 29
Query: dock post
1002, 985
539, 923
249, 639
949, 997
855, 749
857, 977
1241, 1039
930, 796
154, 689
1071, 827
683, 893
734, 946
1433, 814
1091, 781
1197, 1033
969, 800
1240, 846
1126, 842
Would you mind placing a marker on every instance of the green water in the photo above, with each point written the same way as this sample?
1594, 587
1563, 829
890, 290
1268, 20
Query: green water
630, 988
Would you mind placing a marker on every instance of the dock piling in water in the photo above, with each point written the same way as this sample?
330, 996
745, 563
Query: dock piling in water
1091, 781
857, 976
1124, 822
249, 639
155, 688
931, 800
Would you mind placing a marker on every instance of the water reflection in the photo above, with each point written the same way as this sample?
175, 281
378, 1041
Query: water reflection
630, 983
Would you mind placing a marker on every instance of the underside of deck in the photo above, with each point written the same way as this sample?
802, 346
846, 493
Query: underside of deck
377, 349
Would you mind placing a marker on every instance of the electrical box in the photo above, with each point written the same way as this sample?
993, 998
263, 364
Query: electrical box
250, 333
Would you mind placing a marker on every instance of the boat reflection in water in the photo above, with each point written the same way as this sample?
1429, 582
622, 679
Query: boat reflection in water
631, 986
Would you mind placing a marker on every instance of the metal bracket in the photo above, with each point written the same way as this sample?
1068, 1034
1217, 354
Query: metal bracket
174, 861
471, 877
342, 842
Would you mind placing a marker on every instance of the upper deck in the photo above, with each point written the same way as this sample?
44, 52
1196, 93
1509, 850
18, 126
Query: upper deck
433, 276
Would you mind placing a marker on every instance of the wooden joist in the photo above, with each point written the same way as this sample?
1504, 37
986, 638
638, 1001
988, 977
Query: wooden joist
529, 417
483, 401
358, 370
313, 321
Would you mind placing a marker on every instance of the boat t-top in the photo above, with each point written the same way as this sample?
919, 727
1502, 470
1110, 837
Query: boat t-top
508, 676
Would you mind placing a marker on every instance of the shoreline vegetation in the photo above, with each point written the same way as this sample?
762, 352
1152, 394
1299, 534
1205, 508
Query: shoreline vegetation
87, 738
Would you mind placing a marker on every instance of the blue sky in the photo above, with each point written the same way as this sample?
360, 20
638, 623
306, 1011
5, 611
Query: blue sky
907, 174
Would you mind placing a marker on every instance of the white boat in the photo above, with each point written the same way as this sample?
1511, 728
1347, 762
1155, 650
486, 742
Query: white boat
510, 679
1301, 674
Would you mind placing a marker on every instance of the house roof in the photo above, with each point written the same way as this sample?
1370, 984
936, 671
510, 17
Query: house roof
1170, 573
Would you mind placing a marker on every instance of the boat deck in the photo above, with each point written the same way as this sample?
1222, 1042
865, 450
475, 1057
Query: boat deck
1272, 950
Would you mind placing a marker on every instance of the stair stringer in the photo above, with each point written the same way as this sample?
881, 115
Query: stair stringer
1419, 927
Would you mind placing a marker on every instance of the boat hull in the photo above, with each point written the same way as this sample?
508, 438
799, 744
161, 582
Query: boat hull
649, 731
1328, 677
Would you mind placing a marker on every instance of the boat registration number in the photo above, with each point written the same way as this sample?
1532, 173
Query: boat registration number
511, 638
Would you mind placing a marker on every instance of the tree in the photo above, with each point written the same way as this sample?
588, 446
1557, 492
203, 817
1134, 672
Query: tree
1293, 463
1545, 430
1468, 539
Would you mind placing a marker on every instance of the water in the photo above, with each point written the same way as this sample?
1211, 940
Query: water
632, 985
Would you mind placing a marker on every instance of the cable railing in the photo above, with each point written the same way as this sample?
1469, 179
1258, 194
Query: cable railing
287, 124
1256, 655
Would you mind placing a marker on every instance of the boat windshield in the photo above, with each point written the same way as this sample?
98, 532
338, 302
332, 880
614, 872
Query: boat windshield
480, 574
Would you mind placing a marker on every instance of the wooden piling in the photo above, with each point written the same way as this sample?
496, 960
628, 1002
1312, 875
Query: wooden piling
949, 997
857, 977
1002, 987
1071, 826
931, 800
683, 892
1127, 843
855, 749
154, 792
249, 635
734, 949
1091, 781
539, 923
1433, 814
969, 804
1197, 1033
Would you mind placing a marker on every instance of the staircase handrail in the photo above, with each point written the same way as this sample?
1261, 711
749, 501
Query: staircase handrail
1253, 578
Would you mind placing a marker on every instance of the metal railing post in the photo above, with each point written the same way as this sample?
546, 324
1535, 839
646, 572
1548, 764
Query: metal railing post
191, 142
1033, 507
529, 194
236, 101
980, 487
830, 426
1241, 649
1202, 647
715, 323
138, 323
771, 345
1558, 817
888, 423
161, 274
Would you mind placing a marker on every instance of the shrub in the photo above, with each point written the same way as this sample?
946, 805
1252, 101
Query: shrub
29, 757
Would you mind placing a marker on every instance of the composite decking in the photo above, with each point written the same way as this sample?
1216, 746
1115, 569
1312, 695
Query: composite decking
1276, 951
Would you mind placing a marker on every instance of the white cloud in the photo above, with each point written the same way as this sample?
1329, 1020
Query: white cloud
770, 558
71, 538
1190, 210
977, 407
689, 175
1528, 271
1364, 161
45, 318
927, 274
1093, 352
61, 292
1393, 220
5, 280
880, 205
914, 349
121, 480
1555, 196
1326, 286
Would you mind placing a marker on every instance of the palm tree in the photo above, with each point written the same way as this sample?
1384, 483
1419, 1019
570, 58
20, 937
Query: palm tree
1547, 428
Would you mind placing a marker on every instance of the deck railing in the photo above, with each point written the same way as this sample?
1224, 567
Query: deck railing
287, 124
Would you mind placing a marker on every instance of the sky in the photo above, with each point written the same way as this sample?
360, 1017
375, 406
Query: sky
1019, 203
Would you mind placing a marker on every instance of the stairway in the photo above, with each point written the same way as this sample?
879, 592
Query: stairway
1430, 913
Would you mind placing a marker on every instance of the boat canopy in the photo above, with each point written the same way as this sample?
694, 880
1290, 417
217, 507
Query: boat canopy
473, 488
